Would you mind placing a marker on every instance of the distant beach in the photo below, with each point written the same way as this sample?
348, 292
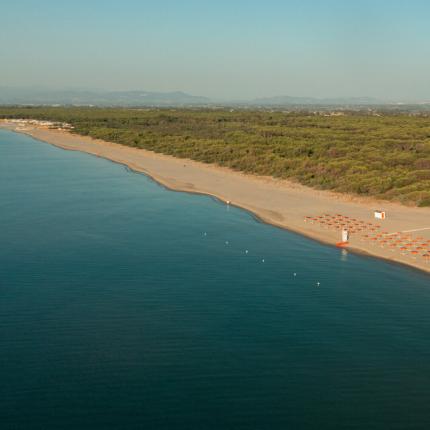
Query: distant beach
403, 237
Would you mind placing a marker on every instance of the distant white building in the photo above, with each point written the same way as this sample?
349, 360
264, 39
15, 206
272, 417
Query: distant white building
380, 214
345, 235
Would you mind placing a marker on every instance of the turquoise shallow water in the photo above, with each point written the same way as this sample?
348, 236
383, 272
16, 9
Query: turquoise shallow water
117, 311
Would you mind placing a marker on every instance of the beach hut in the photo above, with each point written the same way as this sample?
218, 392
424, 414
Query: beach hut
345, 235
379, 214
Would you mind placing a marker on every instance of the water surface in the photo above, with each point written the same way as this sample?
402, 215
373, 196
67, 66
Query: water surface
127, 306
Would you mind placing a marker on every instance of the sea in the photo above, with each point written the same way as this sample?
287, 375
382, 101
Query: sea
125, 305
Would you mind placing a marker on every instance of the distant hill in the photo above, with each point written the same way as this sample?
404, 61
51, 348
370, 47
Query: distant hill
84, 97
40, 96
306, 101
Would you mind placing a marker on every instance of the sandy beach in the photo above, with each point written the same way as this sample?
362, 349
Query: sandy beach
403, 237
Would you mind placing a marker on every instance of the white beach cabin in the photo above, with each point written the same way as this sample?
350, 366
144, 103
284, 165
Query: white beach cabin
380, 214
345, 235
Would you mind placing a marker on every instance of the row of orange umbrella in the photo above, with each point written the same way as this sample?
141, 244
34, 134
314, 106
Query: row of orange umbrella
339, 222
405, 243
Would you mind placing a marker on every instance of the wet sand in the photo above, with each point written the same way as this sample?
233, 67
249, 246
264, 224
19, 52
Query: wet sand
279, 202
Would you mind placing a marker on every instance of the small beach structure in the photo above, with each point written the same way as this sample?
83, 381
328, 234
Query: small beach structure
345, 235
379, 214
345, 238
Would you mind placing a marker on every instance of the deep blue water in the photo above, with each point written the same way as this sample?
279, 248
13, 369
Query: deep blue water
117, 311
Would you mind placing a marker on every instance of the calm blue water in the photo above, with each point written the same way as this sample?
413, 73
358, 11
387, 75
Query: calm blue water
118, 312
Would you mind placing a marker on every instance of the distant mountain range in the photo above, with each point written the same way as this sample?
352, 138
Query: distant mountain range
35, 96
82, 97
306, 101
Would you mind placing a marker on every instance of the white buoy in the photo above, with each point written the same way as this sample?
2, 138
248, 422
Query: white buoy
262, 260
246, 251
226, 242
318, 284
295, 274
204, 234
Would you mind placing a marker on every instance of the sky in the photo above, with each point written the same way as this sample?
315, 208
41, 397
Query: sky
224, 49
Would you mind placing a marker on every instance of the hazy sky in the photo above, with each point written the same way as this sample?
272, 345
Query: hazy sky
220, 48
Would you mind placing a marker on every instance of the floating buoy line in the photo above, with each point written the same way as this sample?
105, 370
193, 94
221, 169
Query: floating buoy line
263, 260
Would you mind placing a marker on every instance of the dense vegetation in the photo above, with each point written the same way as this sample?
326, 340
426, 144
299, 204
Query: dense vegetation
387, 156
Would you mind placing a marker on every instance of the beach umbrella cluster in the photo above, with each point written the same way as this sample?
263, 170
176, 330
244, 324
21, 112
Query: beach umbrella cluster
340, 222
415, 247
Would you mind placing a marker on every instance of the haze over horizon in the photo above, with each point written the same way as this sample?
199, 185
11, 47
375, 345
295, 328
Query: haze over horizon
240, 50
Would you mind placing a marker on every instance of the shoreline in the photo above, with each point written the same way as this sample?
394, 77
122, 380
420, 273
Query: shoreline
281, 203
